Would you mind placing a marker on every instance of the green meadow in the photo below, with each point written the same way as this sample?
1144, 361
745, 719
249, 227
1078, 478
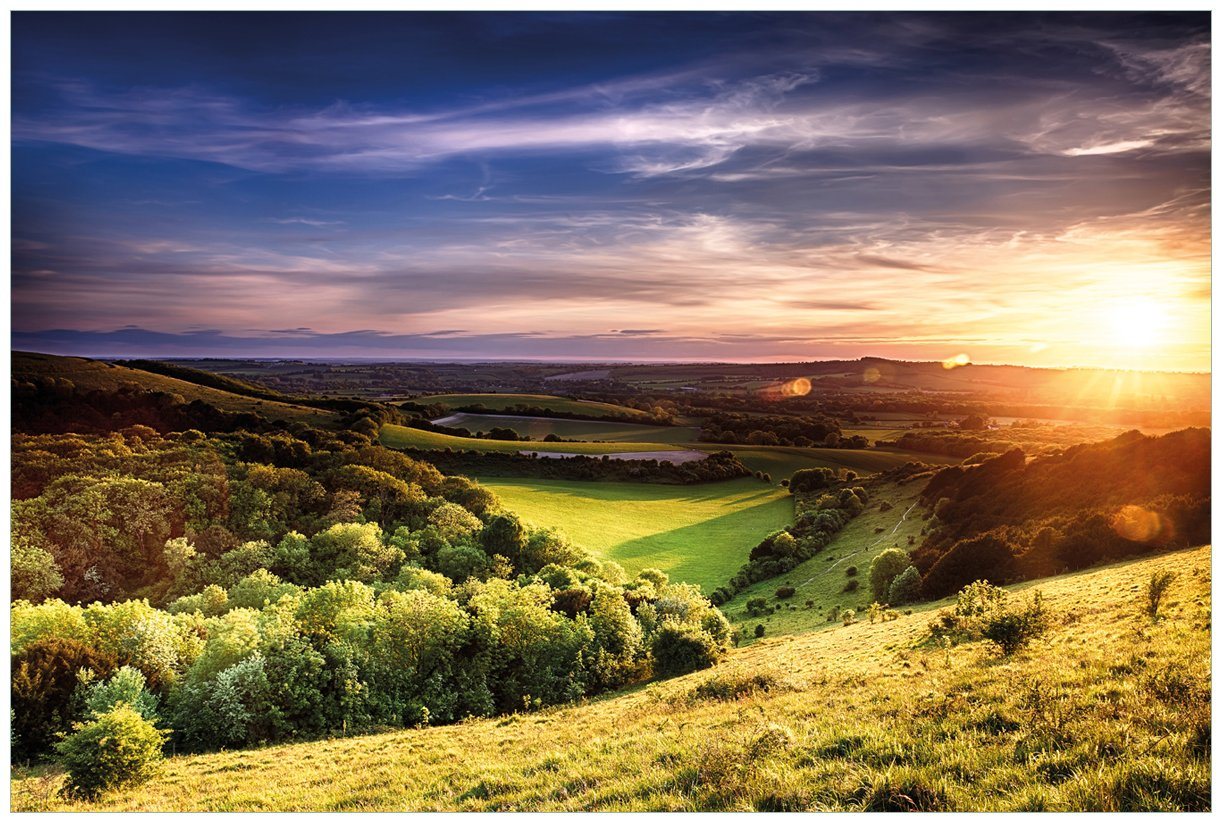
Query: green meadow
405, 437
496, 402
538, 428
696, 534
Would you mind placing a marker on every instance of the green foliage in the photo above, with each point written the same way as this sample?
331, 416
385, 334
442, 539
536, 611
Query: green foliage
35, 574
45, 676
760, 631
884, 568
116, 749
758, 607
785, 592
679, 649
905, 588
125, 687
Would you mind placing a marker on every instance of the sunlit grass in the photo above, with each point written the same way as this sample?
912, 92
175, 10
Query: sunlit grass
1108, 711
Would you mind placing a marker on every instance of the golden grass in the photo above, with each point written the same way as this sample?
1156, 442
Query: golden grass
1108, 711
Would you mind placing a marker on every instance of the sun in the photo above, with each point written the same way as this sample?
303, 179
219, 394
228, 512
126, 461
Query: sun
1135, 324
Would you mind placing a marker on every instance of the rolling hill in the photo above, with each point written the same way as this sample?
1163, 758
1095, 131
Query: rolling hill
89, 374
1107, 712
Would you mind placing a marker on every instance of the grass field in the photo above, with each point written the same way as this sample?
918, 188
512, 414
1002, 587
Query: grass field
540, 427
782, 461
1107, 712
404, 437
504, 401
822, 579
697, 534
779, 461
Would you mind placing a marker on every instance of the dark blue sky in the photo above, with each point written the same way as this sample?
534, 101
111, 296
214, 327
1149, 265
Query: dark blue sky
672, 186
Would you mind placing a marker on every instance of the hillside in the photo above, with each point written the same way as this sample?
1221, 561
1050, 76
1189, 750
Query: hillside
501, 402
1107, 712
88, 374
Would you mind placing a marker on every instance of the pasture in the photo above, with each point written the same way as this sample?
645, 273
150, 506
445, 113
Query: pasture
1106, 712
499, 402
405, 437
696, 534
538, 428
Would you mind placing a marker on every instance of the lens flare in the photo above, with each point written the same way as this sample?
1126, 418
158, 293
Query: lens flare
797, 387
871, 375
956, 361
1137, 524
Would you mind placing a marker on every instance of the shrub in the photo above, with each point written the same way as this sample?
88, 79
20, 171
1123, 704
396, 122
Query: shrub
119, 748
760, 630
785, 592
1156, 587
885, 568
851, 571
736, 685
125, 687
906, 587
851, 585
758, 607
679, 649
1011, 630
848, 617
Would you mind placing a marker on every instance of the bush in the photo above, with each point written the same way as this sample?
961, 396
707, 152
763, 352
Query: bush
760, 630
736, 685
785, 592
1011, 630
851, 585
758, 607
119, 748
1155, 589
851, 571
679, 649
905, 588
884, 568
848, 617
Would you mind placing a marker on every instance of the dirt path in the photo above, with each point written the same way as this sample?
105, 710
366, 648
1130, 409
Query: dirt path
882, 539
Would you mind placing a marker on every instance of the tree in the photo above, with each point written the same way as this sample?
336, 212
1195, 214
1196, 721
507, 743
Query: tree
905, 588
45, 676
885, 567
124, 688
116, 749
354, 551
35, 574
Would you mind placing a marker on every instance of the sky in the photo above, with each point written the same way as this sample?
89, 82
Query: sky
1017, 188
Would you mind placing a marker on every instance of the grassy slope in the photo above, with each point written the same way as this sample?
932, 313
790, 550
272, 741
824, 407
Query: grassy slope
823, 578
697, 534
782, 461
409, 438
94, 374
1104, 713
546, 401
779, 461
539, 428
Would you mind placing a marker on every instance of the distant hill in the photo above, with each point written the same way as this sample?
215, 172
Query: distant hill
86, 374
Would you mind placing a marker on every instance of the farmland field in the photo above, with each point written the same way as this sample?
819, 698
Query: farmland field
538, 428
404, 437
697, 534
495, 402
